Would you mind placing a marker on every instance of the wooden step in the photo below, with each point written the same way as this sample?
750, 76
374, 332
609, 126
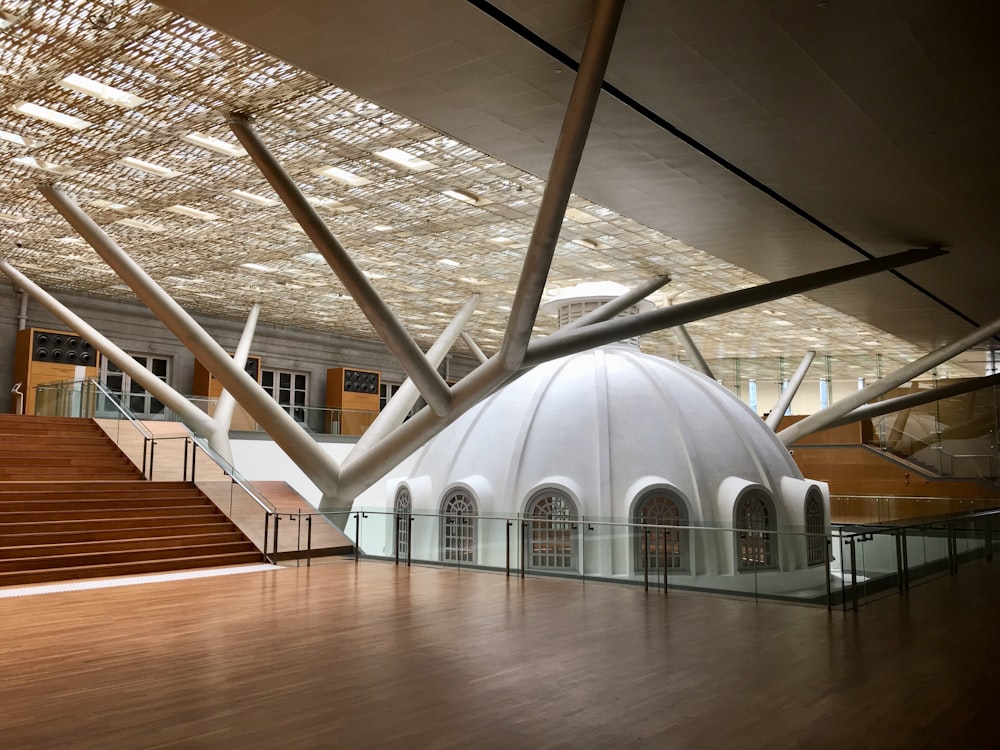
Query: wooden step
101, 503
52, 549
39, 535
142, 494
111, 484
11, 526
86, 559
48, 575
109, 513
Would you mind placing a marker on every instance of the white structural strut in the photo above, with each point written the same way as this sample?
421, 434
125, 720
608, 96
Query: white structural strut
699, 361
285, 431
389, 328
562, 173
612, 307
822, 419
908, 401
617, 329
197, 420
406, 395
474, 347
226, 405
788, 393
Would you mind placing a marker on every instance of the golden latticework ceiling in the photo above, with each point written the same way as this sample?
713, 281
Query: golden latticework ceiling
123, 104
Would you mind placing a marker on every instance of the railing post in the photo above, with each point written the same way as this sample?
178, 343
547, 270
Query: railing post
645, 558
194, 461
854, 574
398, 521
357, 535
298, 538
507, 522
185, 474
145, 447
152, 452
524, 542
267, 523
899, 562
277, 518
828, 548
906, 561
409, 538
309, 539
664, 560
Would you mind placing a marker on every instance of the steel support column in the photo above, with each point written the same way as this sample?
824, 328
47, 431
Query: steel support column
612, 307
389, 328
193, 417
822, 419
285, 431
559, 185
399, 405
474, 347
785, 399
688, 343
618, 329
226, 405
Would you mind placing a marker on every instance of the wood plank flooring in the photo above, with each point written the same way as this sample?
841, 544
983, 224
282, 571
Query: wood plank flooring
370, 656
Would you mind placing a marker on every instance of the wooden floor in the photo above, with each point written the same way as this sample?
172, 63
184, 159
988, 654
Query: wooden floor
373, 656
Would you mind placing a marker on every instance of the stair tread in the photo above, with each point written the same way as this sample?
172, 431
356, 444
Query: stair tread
8, 578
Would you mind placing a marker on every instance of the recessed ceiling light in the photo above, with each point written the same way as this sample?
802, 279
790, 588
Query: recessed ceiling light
256, 267
7, 20
449, 262
101, 91
584, 242
146, 225
465, 196
101, 203
382, 228
260, 200
50, 115
783, 322
48, 166
147, 166
405, 159
194, 213
20, 140
580, 216
342, 175
13, 218
601, 265
214, 144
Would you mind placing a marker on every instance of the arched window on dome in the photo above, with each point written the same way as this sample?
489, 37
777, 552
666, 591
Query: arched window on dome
552, 531
815, 528
754, 517
401, 521
458, 527
664, 549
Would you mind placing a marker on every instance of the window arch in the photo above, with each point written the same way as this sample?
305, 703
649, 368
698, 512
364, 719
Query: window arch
401, 521
754, 517
458, 527
552, 531
667, 549
815, 529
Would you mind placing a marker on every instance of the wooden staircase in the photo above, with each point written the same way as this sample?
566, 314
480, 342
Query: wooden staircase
73, 506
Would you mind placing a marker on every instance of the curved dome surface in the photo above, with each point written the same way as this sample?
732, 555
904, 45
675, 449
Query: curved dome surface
603, 426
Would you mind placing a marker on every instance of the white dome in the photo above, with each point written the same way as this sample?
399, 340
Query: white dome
604, 426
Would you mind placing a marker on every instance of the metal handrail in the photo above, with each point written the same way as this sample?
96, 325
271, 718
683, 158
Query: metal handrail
231, 472
127, 413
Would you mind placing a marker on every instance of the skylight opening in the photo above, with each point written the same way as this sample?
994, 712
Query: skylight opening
382, 228
465, 196
449, 262
215, 144
343, 176
13, 218
50, 115
194, 213
259, 200
101, 91
48, 166
137, 224
101, 203
256, 267
582, 217
7, 20
147, 166
20, 140
405, 159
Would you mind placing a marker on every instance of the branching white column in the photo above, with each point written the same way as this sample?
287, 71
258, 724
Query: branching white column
786, 396
226, 405
197, 420
285, 431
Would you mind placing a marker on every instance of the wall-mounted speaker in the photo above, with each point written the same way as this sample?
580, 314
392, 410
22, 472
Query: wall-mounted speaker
354, 394
206, 386
43, 356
